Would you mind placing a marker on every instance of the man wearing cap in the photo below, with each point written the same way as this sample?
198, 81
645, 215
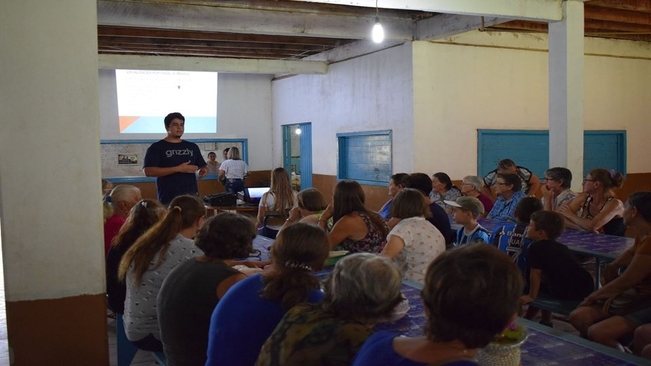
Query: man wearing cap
174, 162
466, 210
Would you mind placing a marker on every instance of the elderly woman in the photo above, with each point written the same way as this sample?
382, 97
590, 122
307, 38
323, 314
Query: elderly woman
117, 205
413, 243
507, 187
556, 191
624, 300
396, 183
192, 290
246, 316
361, 289
471, 294
356, 228
443, 190
597, 209
471, 186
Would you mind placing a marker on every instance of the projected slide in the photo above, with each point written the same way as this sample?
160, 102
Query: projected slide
145, 97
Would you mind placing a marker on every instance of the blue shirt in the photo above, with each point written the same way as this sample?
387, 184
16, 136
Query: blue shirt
512, 240
378, 350
503, 210
242, 322
479, 233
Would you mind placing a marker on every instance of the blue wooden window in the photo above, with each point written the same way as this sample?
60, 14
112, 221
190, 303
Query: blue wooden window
365, 157
530, 149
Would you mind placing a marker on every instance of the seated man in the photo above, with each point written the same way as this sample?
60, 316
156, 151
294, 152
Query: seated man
530, 182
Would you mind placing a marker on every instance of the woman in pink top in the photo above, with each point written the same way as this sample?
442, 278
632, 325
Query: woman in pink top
118, 204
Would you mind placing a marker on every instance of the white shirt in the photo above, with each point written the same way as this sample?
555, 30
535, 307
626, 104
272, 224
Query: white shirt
235, 169
423, 243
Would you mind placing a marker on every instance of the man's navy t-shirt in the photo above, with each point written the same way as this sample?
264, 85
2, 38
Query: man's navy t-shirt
165, 154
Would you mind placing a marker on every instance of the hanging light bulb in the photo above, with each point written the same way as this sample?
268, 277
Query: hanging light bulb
378, 32
298, 130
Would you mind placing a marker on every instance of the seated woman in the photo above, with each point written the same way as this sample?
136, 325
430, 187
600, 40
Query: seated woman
471, 294
507, 187
146, 264
331, 332
556, 190
624, 300
442, 190
596, 209
246, 316
414, 242
356, 228
471, 186
117, 205
142, 217
279, 199
213, 164
193, 289
396, 183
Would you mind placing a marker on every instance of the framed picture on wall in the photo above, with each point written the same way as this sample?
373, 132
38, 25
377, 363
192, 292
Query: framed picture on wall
127, 159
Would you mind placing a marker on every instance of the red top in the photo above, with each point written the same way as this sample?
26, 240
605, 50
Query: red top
111, 228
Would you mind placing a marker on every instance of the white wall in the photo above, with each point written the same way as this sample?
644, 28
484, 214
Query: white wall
243, 111
500, 81
49, 151
364, 94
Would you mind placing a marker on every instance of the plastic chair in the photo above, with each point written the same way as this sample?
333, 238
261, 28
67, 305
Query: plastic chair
271, 218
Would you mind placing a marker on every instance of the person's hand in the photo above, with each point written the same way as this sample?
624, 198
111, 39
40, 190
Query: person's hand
610, 273
187, 167
546, 192
590, 300
294, 214
565, 211
203, 171
526, 299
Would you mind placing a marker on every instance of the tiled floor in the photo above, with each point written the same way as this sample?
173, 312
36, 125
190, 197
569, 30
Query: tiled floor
142, 358
4, 344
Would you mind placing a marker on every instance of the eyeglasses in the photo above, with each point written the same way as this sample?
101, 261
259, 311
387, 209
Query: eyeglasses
549, 179
588, 180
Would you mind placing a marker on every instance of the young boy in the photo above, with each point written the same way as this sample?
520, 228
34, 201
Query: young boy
511, 239
553, 269
466, 210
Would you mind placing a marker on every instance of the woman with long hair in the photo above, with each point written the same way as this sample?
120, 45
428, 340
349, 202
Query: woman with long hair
597, 209
362, 289
146, 264
142, 217
233, 170
193, 289
471, 294
246, 316
356, 228
624, 300
279, 199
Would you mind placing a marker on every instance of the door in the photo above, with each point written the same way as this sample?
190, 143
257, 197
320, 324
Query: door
297, 154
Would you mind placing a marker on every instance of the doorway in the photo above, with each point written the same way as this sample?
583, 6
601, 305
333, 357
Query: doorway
297, 154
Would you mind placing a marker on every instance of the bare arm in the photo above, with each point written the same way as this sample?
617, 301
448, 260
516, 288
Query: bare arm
638, 269
534, 286
393, 222
534, 185
347, 227
227, 283
612, 209
154, 171
393, 247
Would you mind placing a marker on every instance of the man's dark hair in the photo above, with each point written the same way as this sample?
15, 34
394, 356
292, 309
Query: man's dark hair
552, 223
512, 179
419, 181
526, 207
505, 164
399, 179
171, 116
642, 202
226, 235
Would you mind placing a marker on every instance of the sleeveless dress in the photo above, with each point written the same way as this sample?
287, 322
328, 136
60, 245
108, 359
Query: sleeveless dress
615, 226
373, 242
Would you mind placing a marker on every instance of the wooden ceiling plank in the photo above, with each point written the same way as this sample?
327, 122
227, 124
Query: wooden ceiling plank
211, 64
633, 5
105, 41
615, 15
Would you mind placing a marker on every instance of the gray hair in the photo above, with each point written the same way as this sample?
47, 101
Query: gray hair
363, 286
474, 181
123, 192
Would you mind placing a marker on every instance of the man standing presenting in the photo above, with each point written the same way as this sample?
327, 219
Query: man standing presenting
174, 161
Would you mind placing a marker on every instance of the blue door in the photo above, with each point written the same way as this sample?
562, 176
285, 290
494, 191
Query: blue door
297, 151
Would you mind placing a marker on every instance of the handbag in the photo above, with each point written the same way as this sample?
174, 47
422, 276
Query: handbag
627, 302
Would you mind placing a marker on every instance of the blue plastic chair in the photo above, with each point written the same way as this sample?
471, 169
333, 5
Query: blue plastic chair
126, 350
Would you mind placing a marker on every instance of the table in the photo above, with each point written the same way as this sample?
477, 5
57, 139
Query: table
545, 346
243, 209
